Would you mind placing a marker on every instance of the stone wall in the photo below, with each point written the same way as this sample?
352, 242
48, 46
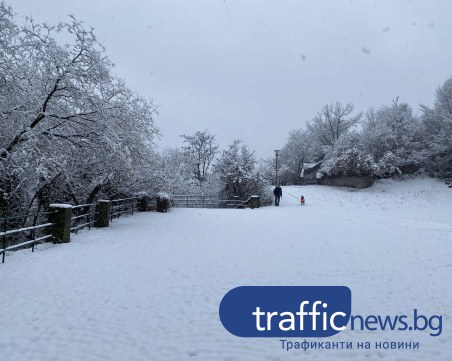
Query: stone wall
354, 182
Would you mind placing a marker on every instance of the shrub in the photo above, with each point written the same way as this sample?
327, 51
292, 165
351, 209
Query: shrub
163, 202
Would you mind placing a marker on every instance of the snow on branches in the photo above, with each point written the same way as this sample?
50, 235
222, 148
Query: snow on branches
69, 126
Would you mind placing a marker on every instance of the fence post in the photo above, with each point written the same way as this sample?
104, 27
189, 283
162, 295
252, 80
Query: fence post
5, 222
102, 218
61, 219
255, 201
144, 204
236, 201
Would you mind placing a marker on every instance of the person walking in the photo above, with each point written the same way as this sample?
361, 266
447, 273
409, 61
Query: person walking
278, 195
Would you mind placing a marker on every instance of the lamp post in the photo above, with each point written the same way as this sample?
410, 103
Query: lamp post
277, 155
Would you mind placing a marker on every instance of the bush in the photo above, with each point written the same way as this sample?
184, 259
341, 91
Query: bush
163, 202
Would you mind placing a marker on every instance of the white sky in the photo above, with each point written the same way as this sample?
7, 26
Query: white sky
256, 69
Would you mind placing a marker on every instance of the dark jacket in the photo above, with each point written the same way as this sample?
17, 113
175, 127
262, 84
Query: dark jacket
277, 191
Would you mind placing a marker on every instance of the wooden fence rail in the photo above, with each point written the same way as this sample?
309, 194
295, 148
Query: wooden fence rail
57, 224
198, 201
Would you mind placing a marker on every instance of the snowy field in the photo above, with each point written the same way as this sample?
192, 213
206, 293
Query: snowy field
149, 287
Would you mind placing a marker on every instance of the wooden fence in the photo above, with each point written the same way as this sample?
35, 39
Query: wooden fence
60, 221
198, 201
24, 231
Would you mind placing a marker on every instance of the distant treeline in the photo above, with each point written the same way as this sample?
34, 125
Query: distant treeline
381, 142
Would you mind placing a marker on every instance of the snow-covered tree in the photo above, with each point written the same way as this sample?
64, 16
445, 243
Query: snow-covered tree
347, 158
392, 130
200, 149
299, 149
174, 173
437, 132
70, 129
236, 169
387, 144
333, 121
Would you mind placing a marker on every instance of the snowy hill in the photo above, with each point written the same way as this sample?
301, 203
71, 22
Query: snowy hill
149, 287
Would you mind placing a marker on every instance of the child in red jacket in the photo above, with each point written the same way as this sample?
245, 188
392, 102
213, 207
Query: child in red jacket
302, 200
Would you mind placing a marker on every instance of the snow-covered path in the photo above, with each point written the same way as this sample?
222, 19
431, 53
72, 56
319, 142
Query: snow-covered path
149, 287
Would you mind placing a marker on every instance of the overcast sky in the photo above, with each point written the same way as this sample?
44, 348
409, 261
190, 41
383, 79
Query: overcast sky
256, 69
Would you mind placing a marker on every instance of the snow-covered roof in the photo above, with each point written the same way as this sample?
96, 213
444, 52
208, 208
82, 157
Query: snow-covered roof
310, 165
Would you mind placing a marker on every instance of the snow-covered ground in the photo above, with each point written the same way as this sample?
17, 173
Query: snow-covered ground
149, 287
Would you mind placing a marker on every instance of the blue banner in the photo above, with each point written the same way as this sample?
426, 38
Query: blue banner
286, 311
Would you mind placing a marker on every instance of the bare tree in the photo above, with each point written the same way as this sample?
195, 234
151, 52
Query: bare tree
333, 121
201, 149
